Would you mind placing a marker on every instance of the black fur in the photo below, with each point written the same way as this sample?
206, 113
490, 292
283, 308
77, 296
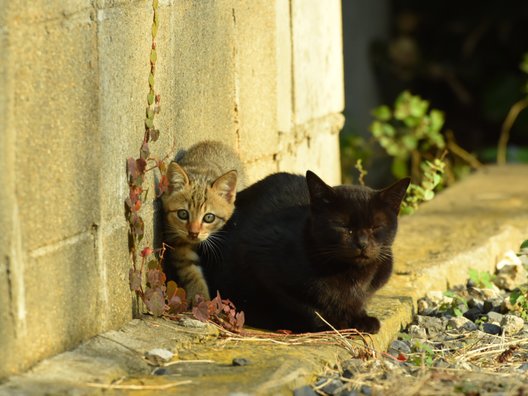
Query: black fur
295, 245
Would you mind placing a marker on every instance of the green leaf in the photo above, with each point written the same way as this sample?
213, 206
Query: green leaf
389, 130
514, 296
428, 195
149, 123
418, 106
376, 128
410, 142
151, 80
150, 97
382, 113
399, 167
436, 119
153, 56
524, 245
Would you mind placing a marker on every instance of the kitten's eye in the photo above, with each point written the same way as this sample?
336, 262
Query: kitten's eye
377, 227
209, 218
183, 214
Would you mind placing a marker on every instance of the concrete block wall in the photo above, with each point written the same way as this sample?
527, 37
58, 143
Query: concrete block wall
265, 76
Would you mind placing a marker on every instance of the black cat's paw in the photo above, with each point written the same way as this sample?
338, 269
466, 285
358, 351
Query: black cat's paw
367, 324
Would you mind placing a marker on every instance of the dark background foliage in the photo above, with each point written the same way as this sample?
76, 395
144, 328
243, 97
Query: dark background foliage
462, 56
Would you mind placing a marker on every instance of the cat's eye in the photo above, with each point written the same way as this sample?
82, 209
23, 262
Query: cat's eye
209, 218
183, 214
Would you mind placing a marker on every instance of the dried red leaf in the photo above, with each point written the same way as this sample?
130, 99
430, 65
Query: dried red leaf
154, 134
177, 303
201, 311
155, 301
145, 151
240, 320
171, 288
401, 357
156, 278
134, 279
141, 165
131, 168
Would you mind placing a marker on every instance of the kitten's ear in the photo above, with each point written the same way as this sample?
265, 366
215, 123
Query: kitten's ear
320, 192
225, 186
178, 179
392, 196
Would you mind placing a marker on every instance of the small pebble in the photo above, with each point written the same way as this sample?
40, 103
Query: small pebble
431, 324
304, 391
400, 346
491, 328
366, 390
417, 331
461, 323
487, 306
473, 313
160, 371
494, 317
511, 324
240, 362
474, 302
347, 373
332, 387
523, 367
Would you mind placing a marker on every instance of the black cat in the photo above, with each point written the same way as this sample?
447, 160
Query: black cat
296, 245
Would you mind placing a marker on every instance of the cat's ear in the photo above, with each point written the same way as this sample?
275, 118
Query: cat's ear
225, 186
178, 178
392, 196
320, 192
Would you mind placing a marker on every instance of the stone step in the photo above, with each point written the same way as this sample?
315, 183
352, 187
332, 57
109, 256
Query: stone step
470, 225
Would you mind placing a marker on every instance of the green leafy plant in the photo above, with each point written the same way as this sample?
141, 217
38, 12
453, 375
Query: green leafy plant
146, 278
422, 353
519, 296
409, 132
456, 307
519, 301
481, 279
425, 191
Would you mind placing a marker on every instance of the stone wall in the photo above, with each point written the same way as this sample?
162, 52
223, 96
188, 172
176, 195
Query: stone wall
264, 76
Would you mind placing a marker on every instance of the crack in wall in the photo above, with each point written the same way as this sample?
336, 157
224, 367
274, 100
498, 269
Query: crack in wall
236, 105
10, 294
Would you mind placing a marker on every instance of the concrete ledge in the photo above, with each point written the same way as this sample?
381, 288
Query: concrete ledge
468, 226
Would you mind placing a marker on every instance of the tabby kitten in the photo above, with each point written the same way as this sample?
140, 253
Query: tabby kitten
203, 182
296, 245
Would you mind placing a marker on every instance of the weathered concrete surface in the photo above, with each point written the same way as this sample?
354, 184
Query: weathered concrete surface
73, 88
468, 226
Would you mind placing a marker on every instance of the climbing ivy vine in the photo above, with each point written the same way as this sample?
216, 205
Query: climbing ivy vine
146, 276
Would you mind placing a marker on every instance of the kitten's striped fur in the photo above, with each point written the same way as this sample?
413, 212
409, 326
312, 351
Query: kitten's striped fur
203, 182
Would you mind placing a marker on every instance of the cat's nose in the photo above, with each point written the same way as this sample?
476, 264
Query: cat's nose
362, 242
193, 235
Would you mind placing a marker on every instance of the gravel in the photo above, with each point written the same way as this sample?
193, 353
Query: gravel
467, 340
